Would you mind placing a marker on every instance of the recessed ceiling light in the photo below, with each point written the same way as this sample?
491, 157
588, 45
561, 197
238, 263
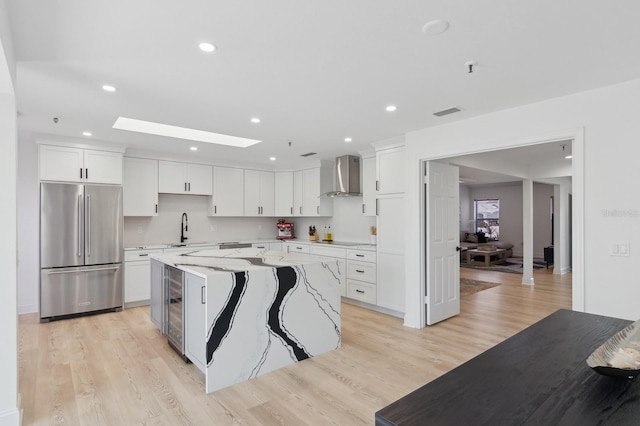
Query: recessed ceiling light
348, 139
272, 158
435, 27
255, 120
160, 129
391, 108
568, 157
87, 134
108, 88
207, 47
194, 148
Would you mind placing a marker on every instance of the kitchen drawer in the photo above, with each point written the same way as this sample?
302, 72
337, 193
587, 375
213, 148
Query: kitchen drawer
362, 271
298, 248
361, 255
133, 255
339, 253
361, 291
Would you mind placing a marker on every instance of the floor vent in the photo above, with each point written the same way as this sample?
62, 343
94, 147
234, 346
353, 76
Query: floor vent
308, 154
447, 111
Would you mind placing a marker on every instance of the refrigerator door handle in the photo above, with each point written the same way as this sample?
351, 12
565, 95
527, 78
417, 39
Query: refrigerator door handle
79, 225
88, 225
55, 272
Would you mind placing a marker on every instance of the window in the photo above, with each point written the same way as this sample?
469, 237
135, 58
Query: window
487, 214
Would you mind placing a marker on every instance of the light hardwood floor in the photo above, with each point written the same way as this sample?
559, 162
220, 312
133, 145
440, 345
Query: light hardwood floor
115, 369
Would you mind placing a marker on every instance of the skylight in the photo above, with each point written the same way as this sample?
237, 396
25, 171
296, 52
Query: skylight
160, 129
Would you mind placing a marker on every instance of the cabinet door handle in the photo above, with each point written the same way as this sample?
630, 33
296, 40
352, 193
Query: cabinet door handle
376, 207
189, 186
318, 209
291, 210
377, 185
156, 208
359, 255
362, 208
86, 173
360, 271
80, 172
202, 295
298, 248
143, 255
185, 187
360, 291
215, 209
300, 209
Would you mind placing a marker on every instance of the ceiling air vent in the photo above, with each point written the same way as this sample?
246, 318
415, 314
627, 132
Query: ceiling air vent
308, 154
447, 111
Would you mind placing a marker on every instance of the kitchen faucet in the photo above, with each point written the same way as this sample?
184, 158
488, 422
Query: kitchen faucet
184, 227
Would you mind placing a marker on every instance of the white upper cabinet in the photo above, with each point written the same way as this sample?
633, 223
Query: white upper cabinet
185, 178
228, 192
308, 186
297, 193
283, 194
369, 186
259, 193
69, 164
140, 187
390, 170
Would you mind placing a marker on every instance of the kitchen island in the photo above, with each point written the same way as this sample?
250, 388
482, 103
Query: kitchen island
250, 311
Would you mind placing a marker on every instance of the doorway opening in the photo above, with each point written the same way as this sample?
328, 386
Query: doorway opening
542, 162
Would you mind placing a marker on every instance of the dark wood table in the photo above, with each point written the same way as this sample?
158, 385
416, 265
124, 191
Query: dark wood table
537, 377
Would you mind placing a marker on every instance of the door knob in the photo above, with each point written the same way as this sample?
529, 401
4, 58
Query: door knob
458, 248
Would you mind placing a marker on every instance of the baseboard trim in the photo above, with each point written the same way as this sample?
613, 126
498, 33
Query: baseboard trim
12, 417
373, 307
28, 309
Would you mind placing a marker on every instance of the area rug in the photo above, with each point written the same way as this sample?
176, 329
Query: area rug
511, 265
468, 286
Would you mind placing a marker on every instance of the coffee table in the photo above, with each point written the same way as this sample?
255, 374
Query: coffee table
490, 257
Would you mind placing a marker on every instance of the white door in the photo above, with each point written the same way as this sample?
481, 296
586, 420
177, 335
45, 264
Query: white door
442, 238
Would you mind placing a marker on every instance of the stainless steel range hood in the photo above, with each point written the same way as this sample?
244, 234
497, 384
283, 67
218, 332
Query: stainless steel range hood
347, 179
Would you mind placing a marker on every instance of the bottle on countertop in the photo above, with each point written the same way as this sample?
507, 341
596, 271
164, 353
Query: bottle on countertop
329, 234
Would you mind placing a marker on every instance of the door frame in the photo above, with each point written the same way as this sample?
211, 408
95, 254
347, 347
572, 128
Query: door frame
577, 218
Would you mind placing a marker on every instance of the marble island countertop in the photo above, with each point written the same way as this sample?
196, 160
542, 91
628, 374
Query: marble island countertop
186, 245
212, 261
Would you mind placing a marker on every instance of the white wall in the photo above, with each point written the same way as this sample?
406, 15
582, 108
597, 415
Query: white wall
9, 412
607, 120
28, 225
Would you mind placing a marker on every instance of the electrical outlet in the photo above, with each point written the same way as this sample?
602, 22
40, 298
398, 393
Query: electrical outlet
620, 249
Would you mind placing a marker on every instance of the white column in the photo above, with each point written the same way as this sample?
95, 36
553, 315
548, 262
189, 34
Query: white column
527, 232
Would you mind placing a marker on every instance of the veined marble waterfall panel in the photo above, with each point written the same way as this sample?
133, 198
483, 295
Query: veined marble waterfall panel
263, 319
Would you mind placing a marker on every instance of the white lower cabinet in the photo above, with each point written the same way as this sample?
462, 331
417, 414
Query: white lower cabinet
391, 281
195, 330
361, 275
156, 283
268, 246
137, 277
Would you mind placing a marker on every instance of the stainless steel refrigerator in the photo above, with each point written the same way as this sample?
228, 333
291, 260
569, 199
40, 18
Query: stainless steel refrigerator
81, 249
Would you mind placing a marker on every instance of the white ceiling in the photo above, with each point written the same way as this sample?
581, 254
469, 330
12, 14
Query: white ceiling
315, 72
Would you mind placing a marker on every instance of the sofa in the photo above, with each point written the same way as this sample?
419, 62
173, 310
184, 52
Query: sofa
471, 240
